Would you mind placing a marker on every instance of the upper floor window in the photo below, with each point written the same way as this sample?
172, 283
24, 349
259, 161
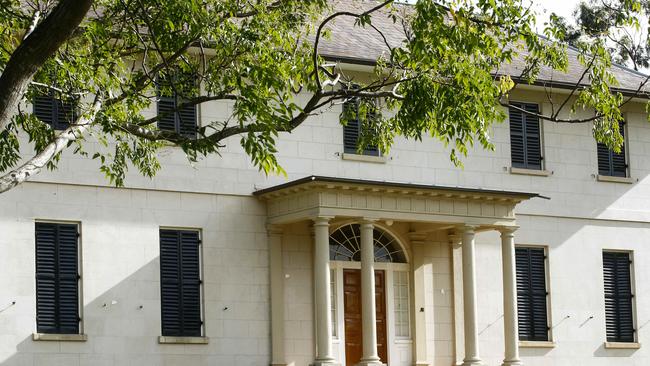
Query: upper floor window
354, 128
525, 136
619, 318
57, 278
173, 92
55, 112
180, 283
611, 163
532, 294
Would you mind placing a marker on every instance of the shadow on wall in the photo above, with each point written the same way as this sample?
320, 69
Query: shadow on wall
123, 325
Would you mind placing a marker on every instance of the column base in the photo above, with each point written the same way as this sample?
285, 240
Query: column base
512, 363
419, 363
329, 362
370, 363
473, 362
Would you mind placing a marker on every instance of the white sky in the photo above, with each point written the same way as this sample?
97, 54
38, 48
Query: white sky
544, 8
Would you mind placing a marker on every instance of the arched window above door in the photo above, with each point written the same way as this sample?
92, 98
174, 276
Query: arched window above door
345, 245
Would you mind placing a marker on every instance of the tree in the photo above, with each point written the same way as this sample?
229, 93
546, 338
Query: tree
111, 59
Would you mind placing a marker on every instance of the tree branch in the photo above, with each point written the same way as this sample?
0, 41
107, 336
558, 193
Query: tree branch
35, 164
37, 47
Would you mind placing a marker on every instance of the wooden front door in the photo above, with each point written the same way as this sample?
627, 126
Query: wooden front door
353, 320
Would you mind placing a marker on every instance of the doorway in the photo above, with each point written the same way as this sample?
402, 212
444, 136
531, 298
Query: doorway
353, 319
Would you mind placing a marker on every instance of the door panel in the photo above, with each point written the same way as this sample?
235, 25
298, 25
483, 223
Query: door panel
352, 316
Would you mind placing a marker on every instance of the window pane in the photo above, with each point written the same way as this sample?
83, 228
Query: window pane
333, 301
401, 304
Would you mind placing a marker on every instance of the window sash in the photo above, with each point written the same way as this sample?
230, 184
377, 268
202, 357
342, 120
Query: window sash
401, 304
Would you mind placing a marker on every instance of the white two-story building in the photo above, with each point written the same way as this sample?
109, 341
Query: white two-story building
532, 254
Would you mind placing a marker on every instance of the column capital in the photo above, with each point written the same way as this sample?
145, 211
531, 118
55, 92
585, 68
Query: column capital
466, 228
322, 220
455, 240
367, 221
507, 230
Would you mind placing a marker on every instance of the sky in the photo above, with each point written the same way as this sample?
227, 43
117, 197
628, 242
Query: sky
544, 8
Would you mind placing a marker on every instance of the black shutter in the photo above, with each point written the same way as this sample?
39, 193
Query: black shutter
56, 113
187, 121
525, 137
353, 129
183, 121
44, 108
610, 163
618, 297
180, 283
531, 294
57, 278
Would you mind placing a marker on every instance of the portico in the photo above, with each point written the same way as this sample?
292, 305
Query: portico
372, 209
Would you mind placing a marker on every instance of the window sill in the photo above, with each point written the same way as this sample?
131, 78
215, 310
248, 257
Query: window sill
536, 344
364, 158
607, 178
622, 345
59, 337
183, 340
535, 172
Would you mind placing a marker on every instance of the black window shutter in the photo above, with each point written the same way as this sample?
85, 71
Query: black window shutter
531, 294
183, 121
618, 297
611, 163
352, 130
180, 283
57, 278
54, 112
525, 137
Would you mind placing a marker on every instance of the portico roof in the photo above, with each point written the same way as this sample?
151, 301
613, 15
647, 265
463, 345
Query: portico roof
315, 196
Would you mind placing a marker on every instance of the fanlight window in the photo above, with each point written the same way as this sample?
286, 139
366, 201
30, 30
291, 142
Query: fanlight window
345, 245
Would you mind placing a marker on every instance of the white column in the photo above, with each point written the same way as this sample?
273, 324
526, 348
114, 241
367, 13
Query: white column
472, 357
322, 293
510, 326
368, 309
277, 295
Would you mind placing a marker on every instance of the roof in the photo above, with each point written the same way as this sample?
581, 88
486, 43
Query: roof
358, 45
394, 185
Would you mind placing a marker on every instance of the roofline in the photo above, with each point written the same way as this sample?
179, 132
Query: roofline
538, 82
323, 179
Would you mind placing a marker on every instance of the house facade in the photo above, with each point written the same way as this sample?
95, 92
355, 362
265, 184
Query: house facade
531, 254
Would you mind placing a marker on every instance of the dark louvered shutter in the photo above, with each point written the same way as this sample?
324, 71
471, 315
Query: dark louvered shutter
56, 113
57, 278
166, 107
531, 294
618, 297
525, 137
352, 130
610, 163
180, 283
184, 120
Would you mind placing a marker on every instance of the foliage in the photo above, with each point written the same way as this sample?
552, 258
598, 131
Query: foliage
262, 58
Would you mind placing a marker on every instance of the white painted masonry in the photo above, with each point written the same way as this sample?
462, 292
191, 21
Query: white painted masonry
120, 250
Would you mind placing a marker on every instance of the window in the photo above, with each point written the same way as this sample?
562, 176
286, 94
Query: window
619, 317
55, 112
352, 131
611, 163
333, 302
57, 278
180, 281
532, 294
172, 93
401, 300
525, 137
345, 245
